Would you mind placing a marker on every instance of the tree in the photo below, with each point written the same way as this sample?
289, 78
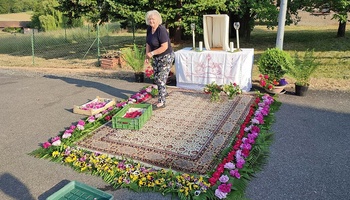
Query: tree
178, 15
46, 17
15, 6
339, 7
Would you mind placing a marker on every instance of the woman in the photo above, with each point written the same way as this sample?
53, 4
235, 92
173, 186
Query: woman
158, 48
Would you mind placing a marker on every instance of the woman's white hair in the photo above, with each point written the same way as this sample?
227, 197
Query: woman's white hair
155, 14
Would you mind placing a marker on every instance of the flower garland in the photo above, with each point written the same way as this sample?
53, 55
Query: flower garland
229, 168
129, 174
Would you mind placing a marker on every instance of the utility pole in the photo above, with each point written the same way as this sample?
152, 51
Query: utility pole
281, 24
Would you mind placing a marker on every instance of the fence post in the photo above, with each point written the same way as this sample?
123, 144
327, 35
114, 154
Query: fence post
98, 45
32, 41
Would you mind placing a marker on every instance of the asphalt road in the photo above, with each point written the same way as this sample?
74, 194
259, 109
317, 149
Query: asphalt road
309, 157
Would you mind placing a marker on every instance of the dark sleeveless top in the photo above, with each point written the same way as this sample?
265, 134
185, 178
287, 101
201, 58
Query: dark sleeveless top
156, 39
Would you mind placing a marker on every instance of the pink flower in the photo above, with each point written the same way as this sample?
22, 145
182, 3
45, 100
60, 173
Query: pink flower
226, 188
224, 179
98, 115
80, 125
72, 127
46, 145
91, 119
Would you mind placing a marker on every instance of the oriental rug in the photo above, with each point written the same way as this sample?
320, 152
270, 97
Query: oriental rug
186, 136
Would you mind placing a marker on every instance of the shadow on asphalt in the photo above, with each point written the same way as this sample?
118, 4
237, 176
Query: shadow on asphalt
116, 92
54, 189
11, 186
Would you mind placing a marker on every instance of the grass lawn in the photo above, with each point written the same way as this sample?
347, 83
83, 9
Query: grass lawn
53, 52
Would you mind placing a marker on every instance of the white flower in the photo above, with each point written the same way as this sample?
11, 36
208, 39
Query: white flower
56, 143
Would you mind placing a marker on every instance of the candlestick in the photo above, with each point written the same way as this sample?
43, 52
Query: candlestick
200, 45
194, 41
236, 25
193, 27
237, 38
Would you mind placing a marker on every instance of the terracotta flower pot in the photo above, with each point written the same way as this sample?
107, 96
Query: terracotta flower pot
276, 89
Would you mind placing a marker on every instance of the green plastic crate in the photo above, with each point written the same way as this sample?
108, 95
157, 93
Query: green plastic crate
79, 191
119, 122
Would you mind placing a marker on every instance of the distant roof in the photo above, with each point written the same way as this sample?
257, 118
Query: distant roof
16, 17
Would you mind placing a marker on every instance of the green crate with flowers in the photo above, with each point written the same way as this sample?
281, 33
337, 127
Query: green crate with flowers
132, 116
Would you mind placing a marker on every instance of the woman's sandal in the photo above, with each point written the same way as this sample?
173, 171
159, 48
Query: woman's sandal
155, 107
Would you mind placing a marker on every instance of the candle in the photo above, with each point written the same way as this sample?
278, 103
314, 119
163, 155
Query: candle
200, 45
231, 46
237, 34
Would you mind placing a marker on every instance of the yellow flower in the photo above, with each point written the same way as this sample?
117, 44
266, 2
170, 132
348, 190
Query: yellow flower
68, 159
55, 154
151, 184
120, 179
141, 183
159, 181
149, 177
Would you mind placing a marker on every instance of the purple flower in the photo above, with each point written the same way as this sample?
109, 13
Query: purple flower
283, 82
235, 173
240, 163
229, 165
224, 179
219, 194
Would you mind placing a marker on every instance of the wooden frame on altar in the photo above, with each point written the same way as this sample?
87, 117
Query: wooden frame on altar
216, 32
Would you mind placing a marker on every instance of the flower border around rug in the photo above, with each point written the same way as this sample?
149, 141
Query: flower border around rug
236, 165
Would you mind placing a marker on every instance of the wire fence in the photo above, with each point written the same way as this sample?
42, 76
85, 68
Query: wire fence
78, 46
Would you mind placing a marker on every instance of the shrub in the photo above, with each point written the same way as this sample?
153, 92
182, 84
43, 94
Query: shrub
274, 63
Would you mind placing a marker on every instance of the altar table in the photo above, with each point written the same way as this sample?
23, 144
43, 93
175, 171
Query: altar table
195, 69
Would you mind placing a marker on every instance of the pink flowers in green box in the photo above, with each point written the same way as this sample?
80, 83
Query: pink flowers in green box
95, 105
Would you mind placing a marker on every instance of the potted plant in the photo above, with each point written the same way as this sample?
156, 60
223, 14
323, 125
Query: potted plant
302, 70
273, 64
135, 58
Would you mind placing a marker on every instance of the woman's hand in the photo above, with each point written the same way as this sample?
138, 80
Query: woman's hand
149, 55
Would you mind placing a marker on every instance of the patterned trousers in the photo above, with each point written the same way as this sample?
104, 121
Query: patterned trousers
161, 66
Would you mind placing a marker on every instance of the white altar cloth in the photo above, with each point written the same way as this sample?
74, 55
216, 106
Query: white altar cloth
196, 69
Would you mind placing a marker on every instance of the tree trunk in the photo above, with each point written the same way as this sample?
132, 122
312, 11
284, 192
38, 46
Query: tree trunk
341, 29
176, 32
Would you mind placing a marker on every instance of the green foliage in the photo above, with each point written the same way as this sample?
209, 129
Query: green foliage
16, 6
304, 67
135, 57
275, 63
12, 30
46, 17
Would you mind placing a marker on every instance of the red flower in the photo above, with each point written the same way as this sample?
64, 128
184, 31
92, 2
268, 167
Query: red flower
108, 118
